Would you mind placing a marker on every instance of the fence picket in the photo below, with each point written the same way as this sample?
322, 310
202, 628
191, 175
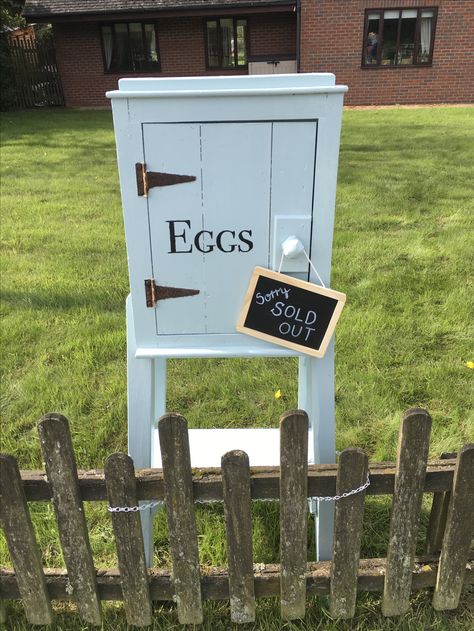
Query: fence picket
438, 514
352, 473
122, 491
22, 545
60, 462
238, 517
412, 456
458, 535
293, 513
178, 483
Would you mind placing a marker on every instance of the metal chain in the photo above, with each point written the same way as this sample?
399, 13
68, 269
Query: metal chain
324, 498
329, 498
132, 509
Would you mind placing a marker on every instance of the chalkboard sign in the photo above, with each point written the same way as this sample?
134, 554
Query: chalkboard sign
290, 312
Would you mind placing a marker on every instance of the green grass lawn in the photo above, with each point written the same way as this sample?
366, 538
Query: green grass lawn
402, 253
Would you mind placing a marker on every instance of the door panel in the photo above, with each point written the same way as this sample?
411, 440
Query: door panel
208, 234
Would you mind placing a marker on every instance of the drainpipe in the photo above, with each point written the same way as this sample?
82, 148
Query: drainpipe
298, 34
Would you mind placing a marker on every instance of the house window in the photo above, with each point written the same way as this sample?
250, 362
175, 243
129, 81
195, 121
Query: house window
130, 47
399, 37
226, 42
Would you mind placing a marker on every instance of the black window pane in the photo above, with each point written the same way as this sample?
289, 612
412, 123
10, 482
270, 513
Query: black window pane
390, 30
150, 42
121, 51
406, 47
242, 42
107, 43
372, 43
228, 44
424, 37
212, 44
137, 48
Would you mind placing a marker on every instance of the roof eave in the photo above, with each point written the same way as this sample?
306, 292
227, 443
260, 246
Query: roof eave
95, 16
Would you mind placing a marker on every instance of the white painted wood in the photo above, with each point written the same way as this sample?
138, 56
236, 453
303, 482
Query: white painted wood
236, 160
176, 149
194, 86
140, 402
207, 446
219, 350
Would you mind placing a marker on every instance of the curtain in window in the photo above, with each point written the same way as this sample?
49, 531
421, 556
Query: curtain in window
425, 35
108, 43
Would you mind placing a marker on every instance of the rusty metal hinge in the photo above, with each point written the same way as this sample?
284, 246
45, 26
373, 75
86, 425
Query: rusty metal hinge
154, 292
150, 179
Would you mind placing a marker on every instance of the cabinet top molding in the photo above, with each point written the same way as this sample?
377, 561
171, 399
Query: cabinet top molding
253, 85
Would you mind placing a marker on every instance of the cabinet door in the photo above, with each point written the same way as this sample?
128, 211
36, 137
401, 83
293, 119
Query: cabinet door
253, 187
209, 234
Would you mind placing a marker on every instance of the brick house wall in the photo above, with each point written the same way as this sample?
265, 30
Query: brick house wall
332, 33
181, 46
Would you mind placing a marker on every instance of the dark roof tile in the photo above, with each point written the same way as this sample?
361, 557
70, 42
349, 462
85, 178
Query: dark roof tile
69, 8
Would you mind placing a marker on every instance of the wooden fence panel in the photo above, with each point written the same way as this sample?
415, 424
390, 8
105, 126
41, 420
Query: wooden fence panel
122, 491
458, 535
60, 462
264, 482
352, 474
178, 481
37, 79
22, 545
215, 584
238, 517
412, 458
293, 513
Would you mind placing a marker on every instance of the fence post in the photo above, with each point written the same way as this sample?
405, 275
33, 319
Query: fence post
412, 456
458, 534
351, 474
122, 491
293, 513
22, 545
61, 469
178, 483
238, 518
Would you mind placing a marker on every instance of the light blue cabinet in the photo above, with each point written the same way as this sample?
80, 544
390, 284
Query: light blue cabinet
215, 174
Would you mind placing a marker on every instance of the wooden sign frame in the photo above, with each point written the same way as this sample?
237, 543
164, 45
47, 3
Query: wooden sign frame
289, 281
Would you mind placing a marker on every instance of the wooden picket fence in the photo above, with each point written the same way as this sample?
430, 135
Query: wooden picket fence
448, 565
37, 79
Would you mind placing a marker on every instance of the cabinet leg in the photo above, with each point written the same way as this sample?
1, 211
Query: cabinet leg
316, 397
140, 419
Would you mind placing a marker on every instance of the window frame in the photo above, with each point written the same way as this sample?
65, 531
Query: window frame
234, 19
143, 23
380, 11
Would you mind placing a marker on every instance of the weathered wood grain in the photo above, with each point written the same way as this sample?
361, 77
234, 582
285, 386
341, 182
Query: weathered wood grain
238, 518
121, 489
458, 535
352, 473
60, 462
22, 546
293, 513
264, 482
215, 583
174, 445
412, 457
438, 514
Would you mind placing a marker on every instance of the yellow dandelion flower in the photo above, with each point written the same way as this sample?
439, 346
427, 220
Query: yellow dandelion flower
278, 394
468, 364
